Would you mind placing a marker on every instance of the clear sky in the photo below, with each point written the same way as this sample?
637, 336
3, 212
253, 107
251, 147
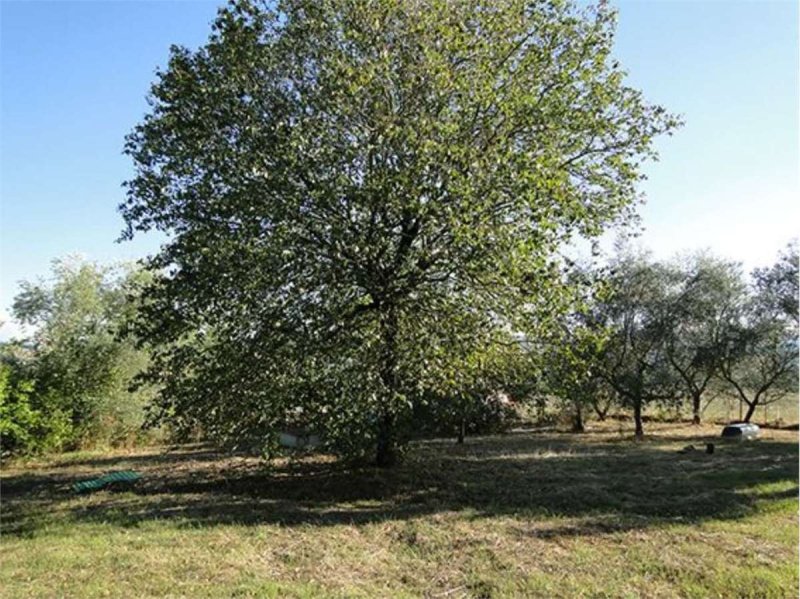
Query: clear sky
75, 75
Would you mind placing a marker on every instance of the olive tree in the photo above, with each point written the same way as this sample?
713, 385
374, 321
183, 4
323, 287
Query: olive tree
777, 285
760, 357
335, 179
637, 322
702, 296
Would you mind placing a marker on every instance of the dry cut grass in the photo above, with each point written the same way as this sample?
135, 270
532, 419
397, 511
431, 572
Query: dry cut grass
528, 514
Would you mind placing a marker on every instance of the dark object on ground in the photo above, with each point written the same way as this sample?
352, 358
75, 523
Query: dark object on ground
123, 479
709, 448
687, 449
742, 431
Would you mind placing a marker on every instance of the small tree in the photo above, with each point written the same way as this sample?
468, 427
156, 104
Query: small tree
572, 373
704, 293
572, 353
80, 359
760, 358
634, 361
602, 401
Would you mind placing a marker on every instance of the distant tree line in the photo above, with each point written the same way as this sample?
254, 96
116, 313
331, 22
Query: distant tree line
68, 384
679, 331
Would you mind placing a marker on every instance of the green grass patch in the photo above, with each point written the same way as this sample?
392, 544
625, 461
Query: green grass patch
524, 514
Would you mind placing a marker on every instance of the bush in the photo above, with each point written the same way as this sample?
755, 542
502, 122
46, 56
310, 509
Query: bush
80, 362
24, 428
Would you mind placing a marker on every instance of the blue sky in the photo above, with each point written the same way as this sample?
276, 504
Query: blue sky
75, 75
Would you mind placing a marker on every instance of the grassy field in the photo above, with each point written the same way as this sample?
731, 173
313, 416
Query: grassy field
525, 514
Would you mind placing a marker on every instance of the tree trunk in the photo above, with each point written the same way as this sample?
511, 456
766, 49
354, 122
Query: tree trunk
637, 418
462, 430
751, 409
386, 455
577, 423
696, 409
601, 413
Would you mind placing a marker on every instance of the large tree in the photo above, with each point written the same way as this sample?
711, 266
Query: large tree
335, 179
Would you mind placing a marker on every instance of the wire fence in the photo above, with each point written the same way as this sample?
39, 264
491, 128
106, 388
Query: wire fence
729, 407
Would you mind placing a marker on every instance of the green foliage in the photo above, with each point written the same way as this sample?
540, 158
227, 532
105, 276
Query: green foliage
479, 415
80, 361
637, 323
702, 295
476, 366
23, 427
17, 419
760, 337
352, 189
777, 286
571, 355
